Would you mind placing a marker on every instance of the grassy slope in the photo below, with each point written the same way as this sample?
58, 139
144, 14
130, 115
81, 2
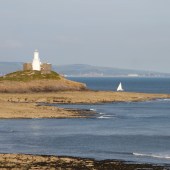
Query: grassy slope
30, 76
35, 81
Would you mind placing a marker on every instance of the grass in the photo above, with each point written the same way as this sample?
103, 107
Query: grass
26, 76
36, 81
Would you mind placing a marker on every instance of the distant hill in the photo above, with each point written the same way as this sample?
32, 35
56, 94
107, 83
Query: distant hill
83, 70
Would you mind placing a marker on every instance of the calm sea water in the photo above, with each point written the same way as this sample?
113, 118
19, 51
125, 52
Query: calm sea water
146, 85
132, 131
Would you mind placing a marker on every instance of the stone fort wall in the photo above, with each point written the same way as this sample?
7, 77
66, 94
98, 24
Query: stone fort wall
27, 66
45, 67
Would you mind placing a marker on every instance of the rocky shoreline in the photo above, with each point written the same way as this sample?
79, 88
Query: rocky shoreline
44, 162
28, 105
33, 111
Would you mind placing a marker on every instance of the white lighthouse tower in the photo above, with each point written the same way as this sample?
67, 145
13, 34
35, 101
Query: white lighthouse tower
36, 64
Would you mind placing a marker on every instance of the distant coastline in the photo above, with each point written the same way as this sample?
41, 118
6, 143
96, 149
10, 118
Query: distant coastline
83, 70
115, 76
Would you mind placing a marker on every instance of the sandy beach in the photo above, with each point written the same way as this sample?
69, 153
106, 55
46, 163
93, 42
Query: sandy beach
27, 105
21, 161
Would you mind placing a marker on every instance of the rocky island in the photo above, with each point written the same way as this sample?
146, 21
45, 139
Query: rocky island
36, 81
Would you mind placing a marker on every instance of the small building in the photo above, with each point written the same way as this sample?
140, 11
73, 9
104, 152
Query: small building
27, 66
45, 68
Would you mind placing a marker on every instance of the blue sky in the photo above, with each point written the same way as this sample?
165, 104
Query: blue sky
131, 34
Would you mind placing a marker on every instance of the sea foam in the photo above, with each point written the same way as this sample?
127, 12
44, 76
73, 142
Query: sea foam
103, 117
160, 156
92, 109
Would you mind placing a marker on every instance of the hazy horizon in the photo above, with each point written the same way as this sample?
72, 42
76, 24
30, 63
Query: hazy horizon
123, 34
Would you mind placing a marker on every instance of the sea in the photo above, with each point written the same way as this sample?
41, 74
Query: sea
137, 132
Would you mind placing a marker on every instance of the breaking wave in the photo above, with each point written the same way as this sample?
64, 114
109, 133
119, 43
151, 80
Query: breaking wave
104, 117
160, 156
102, 113
163, 100
92, 109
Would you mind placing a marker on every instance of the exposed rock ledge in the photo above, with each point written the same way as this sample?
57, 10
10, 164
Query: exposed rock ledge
21, 161
20, 105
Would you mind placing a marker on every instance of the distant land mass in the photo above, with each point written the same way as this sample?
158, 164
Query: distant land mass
83, 70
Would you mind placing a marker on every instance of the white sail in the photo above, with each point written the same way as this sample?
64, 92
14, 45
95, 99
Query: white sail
120, 87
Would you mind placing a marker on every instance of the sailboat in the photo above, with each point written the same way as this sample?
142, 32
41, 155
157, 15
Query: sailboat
119, 88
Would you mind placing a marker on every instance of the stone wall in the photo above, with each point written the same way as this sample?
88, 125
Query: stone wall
27, 66
45, 67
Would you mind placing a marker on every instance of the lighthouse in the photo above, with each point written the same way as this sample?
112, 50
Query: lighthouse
36, 64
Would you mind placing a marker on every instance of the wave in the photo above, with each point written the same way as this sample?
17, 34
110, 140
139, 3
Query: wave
163, 100
166, 99
104, 117
107, 116
102, 113
160, 156
92, 109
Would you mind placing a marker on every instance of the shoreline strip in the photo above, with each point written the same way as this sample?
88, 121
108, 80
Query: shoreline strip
28, 161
